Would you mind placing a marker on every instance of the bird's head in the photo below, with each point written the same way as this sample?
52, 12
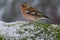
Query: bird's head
25, 6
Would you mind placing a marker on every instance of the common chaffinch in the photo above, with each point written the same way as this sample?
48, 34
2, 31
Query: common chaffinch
31, 14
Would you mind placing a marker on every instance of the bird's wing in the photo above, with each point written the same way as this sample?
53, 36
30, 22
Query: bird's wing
32, 11
35, 13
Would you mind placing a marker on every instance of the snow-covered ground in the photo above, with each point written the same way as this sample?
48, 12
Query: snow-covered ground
17, 30
12, 29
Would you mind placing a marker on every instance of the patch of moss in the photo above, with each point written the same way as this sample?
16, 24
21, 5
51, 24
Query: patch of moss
1, 37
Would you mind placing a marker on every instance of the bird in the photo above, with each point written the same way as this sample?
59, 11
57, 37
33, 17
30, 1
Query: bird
31, 14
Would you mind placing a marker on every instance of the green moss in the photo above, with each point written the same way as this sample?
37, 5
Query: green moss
49, 30
41, 24
1, 37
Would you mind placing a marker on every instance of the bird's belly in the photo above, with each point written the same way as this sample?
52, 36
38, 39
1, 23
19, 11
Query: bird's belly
30, 18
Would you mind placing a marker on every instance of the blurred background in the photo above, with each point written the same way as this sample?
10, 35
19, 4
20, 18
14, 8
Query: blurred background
10, 11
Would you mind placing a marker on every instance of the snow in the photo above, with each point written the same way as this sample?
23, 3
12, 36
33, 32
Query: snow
15, 30
11, 31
